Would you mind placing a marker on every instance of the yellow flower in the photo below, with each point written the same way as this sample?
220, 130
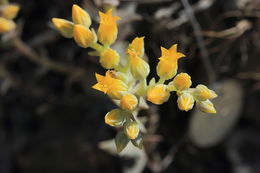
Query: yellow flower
115, 117
158, 94
168, 65
65, 27
182, 81
80, 16
107, 31
131, 129
110, 86
128, 102
202, 93
207, 107
9, 11
6, 25
109, 58
185, 102
83, 36
139, 68
138, 46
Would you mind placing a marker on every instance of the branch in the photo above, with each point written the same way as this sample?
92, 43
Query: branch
197, 31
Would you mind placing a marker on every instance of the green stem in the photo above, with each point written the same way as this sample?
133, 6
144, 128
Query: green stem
97, 47
144, 84
161, 80
127, 116
143, 87
119, 68
127, 66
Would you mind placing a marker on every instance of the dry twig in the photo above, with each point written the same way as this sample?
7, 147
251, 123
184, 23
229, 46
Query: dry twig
197, 31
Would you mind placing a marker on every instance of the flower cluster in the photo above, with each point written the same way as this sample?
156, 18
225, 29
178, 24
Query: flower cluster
8, 12
125, 80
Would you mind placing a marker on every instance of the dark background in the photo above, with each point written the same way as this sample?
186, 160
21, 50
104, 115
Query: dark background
52, 121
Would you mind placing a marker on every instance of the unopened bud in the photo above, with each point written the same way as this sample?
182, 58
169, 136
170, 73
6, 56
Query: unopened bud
115, 118
65, 27
131, 129
185, 102
80, 16
139, 68
109, 58
6, 25
182, 81
158, 94
202, 93
83, 36
128, 102
9, 11
207, 107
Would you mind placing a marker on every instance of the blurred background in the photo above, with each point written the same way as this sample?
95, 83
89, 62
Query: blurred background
52, 121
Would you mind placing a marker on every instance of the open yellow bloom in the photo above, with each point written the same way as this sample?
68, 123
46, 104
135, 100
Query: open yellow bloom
182, 81
65, 27
128, 102
131, 129
138, 46
109, 58
115, 117
139, 68
80, 16
107, 31
168, 65
9, 11
110, 86
83, 36
185, 102
203, 93
6, 25
158, 94
207, 107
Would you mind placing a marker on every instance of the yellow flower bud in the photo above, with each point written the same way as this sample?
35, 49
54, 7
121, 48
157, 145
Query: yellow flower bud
182, 81
83, 36
65, 27
207, 107
109, 58
203, 93
115, 118
139, 68
131, 129
9, 11
80, 16
107, 30
128, 102
138, 46
6, 25
115, 88
158, 94
168, 65
185, 102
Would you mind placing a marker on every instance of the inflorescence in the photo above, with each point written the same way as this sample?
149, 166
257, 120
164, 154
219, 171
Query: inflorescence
125, 80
